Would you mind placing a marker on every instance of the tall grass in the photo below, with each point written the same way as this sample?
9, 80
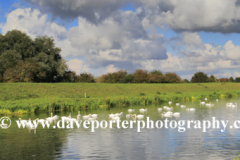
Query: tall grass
20, 98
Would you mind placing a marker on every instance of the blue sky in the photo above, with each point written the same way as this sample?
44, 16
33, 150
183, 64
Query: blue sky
101, 37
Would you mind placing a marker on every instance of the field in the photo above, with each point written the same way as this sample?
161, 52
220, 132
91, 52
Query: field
19, 98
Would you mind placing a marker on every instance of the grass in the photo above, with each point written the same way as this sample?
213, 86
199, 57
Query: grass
20, 98
237, 157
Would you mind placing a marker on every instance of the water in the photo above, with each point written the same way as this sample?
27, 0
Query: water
81, 143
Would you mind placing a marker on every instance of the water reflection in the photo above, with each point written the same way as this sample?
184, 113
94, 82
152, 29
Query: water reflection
126, 143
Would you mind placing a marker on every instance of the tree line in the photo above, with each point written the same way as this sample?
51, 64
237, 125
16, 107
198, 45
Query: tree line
23, 59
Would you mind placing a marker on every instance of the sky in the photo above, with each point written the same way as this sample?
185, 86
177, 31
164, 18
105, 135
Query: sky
103, 36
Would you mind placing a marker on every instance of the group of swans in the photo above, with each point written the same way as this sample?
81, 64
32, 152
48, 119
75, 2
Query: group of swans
231, 105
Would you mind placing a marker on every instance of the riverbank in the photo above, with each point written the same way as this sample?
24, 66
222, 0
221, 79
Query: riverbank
20, 98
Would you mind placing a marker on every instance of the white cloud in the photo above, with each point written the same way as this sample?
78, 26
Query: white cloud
77, 65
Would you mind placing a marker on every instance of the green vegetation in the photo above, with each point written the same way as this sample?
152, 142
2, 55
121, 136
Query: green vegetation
140, 76
19, 98
237, 157
23, 59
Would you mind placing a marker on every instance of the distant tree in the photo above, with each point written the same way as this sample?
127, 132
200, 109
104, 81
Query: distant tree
115, 77
129, 78
199, 77
68, 76
156, 72
237, 79
186, 81
172, 78
85, 77
140, 76
156, 76
231, 79
224, 80
212, 78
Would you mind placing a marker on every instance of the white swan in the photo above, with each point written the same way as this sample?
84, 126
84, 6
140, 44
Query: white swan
205, 99
190, 109
128, 116
209, 104
169, 102
94, 116
138, 116
22, 121
167, 114
183, 106
131, 110
64, 118
169, 108
78, 116
177, 104
143, 110
111, 115
50, 119
176, 114
159, 109
39, 121
85, 117
117, 114
202, 102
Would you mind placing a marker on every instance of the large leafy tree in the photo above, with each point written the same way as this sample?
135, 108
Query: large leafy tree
16, 46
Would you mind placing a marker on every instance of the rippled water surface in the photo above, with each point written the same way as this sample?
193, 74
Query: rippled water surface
81, 143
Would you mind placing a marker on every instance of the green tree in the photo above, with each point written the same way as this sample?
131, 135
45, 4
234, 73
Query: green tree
9, 59
86, 77
129, 78
140, 76
17, 46
199, 77
185, 81
212, 78
172, 78
237, 79
231, 79
22, 72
